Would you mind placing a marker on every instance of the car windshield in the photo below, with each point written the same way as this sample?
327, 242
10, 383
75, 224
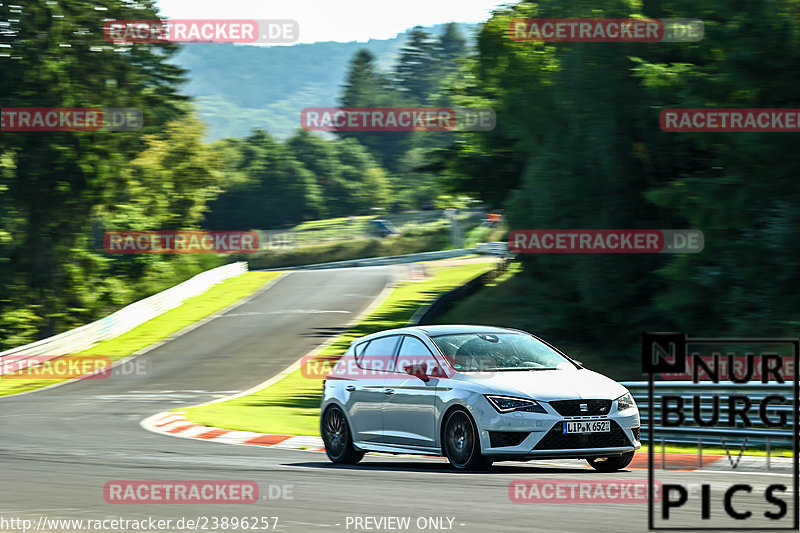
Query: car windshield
477, 352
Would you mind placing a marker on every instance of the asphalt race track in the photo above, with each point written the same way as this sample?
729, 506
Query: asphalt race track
59, 447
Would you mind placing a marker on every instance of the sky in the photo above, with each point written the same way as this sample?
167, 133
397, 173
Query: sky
337, 20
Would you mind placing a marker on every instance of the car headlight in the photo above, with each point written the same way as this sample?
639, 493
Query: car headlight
625, 402
507, 404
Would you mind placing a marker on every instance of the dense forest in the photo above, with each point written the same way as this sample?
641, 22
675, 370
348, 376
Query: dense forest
60, 191
577, 145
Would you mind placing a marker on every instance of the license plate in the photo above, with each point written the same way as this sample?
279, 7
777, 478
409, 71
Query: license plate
587, 426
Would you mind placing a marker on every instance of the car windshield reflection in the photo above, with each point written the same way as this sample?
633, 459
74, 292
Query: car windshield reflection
482, 352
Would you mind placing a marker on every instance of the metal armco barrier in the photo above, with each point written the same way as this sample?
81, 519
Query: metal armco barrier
689, 432
127, 318
493, 248
378, 261
496, 248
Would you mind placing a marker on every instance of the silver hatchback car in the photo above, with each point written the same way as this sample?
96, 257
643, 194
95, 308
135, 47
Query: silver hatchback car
475, 394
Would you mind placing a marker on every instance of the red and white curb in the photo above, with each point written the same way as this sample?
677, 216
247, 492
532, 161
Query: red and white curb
175, 424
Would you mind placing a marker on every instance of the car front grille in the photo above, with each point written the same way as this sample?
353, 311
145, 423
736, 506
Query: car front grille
501, 439
573, 407
636, 434
556, 440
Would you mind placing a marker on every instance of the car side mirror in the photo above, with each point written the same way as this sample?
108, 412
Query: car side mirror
419, 370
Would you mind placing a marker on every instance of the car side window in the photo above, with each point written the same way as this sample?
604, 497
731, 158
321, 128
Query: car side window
378, 353
359, 349
413, 352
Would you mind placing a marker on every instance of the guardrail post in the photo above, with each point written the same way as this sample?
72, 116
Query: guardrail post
767, 453
700, 453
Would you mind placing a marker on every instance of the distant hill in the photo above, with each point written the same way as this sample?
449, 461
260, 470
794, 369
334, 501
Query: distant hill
242, 87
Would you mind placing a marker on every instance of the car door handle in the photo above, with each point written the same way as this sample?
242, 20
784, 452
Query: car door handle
388, 392
350, 388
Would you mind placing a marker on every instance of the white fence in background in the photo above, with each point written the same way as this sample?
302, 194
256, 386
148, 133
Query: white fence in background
127, 318
493, 248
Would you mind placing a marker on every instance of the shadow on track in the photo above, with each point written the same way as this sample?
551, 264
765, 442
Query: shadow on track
412, 466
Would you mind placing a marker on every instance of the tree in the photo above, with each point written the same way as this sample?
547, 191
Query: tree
275, 190
319, 157
578, 145
568, 122
740, 189
351, 180
52, 181
364, 82
366, 87
449, 49
417, 68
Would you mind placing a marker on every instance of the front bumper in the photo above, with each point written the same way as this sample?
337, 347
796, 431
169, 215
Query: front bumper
538, 435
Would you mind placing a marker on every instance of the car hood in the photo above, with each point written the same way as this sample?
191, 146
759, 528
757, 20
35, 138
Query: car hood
547, 385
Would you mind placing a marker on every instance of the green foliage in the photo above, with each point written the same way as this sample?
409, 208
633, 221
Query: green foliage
273, 184
352, 182
238, 88
274, 189
19, 326
418, 79
366, 86
450, 48
59, 191
417, 67
413, 242
476, 235
578, 145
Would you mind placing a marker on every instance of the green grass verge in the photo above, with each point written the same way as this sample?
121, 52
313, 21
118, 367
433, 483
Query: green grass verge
160, 328
331, 223
340, 239
353, 249
291, 406
507, 303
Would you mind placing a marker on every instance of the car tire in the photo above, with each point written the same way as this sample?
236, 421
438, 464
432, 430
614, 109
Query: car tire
460, 442
611, 464
337, 437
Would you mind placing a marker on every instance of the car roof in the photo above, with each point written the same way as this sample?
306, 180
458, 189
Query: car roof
444, 329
